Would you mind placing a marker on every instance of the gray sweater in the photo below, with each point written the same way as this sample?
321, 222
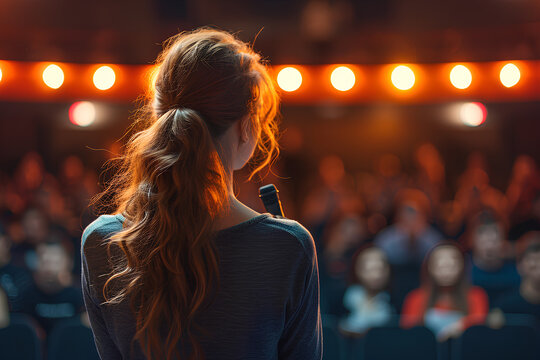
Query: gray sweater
267, 306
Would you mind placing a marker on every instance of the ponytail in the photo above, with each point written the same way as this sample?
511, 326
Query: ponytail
171, 185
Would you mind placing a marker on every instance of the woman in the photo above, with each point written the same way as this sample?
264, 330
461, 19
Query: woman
445, 303
192, 272
366, 298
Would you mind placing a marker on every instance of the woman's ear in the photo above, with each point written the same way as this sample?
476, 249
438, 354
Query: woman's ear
244, 129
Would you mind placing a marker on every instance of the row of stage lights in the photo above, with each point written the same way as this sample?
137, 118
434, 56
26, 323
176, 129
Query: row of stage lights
290, 78
53, 76
402, 77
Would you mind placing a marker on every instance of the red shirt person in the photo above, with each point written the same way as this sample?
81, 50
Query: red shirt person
445, 302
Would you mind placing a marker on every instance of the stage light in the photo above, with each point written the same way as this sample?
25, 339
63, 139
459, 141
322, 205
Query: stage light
460, 77
342, 78
403, 77
0, 74
82, 113
473, 114
53, 76
289, 79
104, 78
510, 75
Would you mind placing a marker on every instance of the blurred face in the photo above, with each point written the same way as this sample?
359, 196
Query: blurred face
445, 265
53, 267
488, 243
350, 230
372, 269
529, 267
35, 225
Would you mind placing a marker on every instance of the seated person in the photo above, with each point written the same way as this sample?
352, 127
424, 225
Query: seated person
54, 297
366, 299
14, 280
407, 241
526, 300
445, 303
489, 269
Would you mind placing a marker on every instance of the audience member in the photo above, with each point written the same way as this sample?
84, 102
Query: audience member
14, 280
54, 297
445, 303
527, 299
490, 269
407, 241
366, 298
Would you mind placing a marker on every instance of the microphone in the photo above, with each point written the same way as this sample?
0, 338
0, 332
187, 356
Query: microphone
270, 198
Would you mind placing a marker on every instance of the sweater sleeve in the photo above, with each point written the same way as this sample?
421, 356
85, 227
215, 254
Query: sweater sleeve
105, 346
413, 309
478, 307
302, 334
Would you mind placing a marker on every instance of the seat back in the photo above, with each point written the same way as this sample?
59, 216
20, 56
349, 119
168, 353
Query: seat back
392, 342
19, 340
508, 342
71, 340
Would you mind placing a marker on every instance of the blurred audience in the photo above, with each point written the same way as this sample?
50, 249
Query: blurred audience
366, 298
367, 224
445, 303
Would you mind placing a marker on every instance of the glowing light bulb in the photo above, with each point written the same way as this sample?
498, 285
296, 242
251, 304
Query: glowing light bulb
289, 79
53, 76
510, 75
460, 77
82, 113
473, 114
104, 78
342, 78
403, 77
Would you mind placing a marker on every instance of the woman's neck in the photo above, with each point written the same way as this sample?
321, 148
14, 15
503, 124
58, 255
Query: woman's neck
234, 214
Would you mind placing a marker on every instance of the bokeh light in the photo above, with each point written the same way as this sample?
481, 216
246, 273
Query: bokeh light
342, 78
403, 77
289, 79
460, 77
104, 78
510, 75
473, 114
82, 113
53, 76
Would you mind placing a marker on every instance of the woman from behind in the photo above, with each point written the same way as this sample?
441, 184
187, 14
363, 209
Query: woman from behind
181, 269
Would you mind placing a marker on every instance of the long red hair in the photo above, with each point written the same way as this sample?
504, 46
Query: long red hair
171, 183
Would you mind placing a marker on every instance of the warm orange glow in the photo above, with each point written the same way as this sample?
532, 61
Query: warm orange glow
53, 76
104, 78
473, 114
403, 77
342, 78
510, 75
82, 113
289, 79
0, 74
460, 77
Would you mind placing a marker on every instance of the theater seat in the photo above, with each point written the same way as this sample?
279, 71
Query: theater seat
71, 340
392, 342
19, 340
509, 342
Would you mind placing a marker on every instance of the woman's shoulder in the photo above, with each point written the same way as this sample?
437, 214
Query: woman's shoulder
100, 228
288, 233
